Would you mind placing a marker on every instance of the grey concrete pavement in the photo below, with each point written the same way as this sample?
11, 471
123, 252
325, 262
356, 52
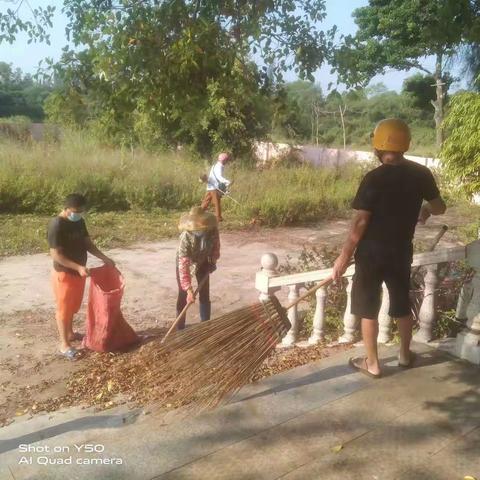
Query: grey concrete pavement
320, 421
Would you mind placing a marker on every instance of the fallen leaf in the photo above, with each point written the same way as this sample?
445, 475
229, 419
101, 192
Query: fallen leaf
337, 448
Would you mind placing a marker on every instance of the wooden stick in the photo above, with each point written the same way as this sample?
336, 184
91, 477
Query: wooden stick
187, 306
310, 292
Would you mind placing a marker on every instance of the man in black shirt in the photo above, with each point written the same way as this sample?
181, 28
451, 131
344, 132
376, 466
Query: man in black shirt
388, 205
69, 243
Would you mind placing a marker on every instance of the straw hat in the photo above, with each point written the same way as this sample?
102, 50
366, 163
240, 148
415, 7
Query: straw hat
197, 220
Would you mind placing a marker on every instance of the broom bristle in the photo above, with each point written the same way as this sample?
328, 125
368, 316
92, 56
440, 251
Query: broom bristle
212, 360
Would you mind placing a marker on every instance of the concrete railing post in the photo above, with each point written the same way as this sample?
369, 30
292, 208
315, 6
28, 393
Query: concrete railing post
467, 344
292, 313
428, 310
384, 319
319, 317
269, 262
350, 321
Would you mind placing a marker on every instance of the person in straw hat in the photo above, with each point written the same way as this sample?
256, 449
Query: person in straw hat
197, 253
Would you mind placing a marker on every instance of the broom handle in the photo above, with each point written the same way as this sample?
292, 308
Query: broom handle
187, 306
310, 292
329, 280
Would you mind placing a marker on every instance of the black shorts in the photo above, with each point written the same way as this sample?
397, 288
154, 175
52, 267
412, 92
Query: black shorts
367, 287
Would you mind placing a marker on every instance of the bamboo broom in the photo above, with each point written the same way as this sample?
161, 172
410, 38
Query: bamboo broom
211, 361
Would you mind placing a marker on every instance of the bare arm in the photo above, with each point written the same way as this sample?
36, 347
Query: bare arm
92, 248
357, 230
433, 207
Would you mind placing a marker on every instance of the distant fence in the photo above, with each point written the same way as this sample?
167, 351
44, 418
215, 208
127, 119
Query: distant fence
324, 157
267, 152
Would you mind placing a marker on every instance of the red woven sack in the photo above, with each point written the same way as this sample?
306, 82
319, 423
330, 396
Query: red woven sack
107, 330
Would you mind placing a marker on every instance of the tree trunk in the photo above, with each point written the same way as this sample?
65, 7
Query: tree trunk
438, 103
342, 112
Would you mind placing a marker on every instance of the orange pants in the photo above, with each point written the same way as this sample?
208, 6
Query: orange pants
212, 196
68, 290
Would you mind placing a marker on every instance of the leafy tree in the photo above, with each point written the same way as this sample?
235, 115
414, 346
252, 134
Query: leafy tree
461, 151
295, 113
181, 72
471, 70
420, 87
399, 34
20, 95
36, 28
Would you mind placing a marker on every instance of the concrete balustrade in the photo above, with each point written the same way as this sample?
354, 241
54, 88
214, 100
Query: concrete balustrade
268, 282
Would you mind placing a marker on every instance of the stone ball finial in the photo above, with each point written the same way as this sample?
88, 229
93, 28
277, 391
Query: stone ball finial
269, 262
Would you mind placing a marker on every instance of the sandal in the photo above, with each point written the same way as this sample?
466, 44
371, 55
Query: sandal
71, 354
413, 357
363, 370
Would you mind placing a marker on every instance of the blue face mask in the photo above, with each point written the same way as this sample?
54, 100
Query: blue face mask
74, 216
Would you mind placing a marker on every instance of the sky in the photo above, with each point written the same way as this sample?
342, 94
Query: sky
339, 12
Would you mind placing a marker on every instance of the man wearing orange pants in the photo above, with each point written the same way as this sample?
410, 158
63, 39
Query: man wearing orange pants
69, 244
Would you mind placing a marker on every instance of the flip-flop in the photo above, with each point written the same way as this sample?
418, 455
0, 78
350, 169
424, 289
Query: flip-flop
71, 354
363, 370
413, 357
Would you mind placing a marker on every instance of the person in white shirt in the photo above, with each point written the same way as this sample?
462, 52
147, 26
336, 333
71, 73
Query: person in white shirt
217, 185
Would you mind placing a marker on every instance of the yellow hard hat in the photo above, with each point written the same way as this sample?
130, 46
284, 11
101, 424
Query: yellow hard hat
391, 135
197, 220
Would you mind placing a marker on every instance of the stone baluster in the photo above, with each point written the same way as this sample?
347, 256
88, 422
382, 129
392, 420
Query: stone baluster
467, 345
291, 336
464, 298
319, 317
428, 311
269, 262
384, 319
350, 321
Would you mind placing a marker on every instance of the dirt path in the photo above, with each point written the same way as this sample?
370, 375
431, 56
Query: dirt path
28, 340
149, 268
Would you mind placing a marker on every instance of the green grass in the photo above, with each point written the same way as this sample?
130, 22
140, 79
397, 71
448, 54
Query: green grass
470, 229
26, 234
139, 196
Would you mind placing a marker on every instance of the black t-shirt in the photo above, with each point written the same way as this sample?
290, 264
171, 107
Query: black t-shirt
394, 195
70, 238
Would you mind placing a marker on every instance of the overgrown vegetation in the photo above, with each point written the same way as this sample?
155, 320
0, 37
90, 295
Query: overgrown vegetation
461, 151
150, 190
21, 94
